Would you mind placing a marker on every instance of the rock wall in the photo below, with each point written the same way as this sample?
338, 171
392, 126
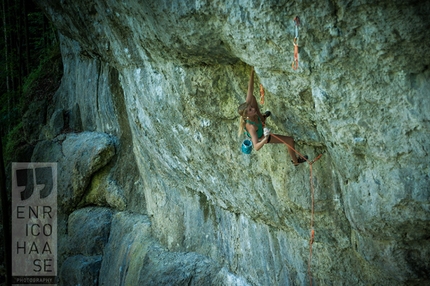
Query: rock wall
181, 205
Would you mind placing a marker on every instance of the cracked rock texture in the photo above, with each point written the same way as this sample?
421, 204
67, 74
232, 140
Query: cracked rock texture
164, 79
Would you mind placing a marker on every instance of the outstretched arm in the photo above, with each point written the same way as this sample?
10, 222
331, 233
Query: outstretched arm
250, 98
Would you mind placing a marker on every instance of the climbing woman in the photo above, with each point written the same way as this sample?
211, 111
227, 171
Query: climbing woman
252, 122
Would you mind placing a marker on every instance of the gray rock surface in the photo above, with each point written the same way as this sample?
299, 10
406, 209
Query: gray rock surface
133, 257
87, 236
97, 224
79, 156
165, 78
80, 270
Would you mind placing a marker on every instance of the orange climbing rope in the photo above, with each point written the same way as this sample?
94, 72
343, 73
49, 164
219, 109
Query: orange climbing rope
310, 162
261, 94
312, 233
295, 64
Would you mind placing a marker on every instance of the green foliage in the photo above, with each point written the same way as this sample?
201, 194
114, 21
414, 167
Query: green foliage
49, 66
29, 75
31, 79
13, 140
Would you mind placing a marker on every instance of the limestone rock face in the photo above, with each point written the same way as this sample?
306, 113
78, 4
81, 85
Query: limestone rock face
87, 236
79, 157
133, 257
97, 225
80, 270
166, 77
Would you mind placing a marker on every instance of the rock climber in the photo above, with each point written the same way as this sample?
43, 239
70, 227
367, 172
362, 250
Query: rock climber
252, 123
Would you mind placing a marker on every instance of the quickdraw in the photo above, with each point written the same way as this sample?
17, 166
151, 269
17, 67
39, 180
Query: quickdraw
261, 94
311, 240
295, 63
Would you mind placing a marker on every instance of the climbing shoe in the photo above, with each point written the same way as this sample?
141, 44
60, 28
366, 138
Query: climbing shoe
300, 160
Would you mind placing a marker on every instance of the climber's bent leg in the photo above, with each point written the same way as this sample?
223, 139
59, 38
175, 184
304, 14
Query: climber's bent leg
286, 140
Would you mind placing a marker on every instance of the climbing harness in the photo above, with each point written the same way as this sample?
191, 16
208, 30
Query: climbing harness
295, 63
261, 94
312, 233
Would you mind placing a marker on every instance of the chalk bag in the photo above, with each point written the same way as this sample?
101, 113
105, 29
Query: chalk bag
247, 146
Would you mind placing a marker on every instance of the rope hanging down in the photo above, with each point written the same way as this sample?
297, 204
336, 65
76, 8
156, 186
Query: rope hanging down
312, 232
295, 64
310, 162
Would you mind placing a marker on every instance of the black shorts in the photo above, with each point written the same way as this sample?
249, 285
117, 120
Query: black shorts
268, 139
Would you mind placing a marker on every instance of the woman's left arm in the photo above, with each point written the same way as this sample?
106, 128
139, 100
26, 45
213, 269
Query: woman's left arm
254, 137
250, 98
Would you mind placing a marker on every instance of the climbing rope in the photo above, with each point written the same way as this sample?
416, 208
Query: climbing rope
261, 94
312, 231
310, 162
295, 63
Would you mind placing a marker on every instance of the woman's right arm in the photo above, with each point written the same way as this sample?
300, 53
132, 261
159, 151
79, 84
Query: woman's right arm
250, 98
260, 144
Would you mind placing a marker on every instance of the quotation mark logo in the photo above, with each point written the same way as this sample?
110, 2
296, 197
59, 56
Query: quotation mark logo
35, 178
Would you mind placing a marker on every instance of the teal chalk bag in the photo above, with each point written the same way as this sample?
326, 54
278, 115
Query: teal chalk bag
247, 146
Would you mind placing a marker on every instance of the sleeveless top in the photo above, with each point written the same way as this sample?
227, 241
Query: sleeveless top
259, 125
